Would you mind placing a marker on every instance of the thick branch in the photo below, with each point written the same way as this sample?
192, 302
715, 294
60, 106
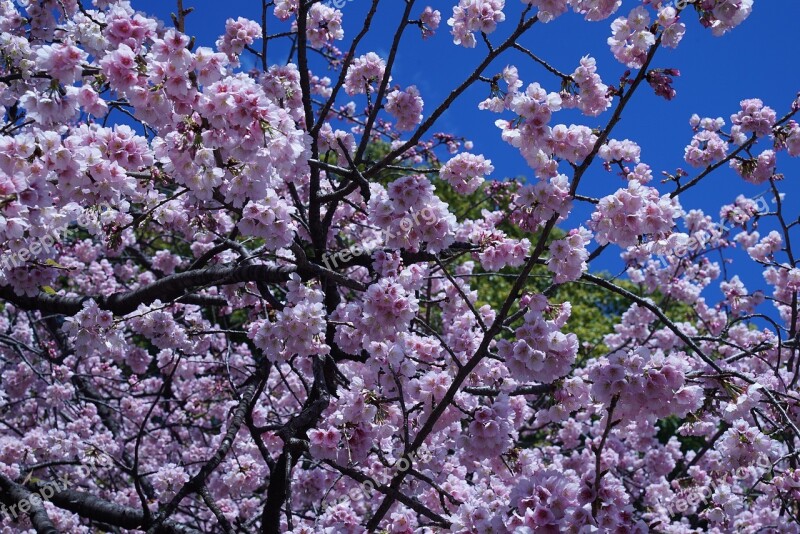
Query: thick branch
13, 494
173, 287
97, 509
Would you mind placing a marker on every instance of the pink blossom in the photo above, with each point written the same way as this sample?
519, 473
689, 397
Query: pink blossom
470, 16
755, 117
756, 170
568, 256
238, 34
130, 29
466, 172
549, 9
406, 107
285, 8
121, 68
727, 14
63, 61
364, 71
596, 9
631, 38
541, 351
324, 25
632, 212
429, 21
793, 139
269, 219
592, 97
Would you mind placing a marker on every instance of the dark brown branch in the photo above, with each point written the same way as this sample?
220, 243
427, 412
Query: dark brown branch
13, 494
97, 509
386, 490
430, 121
197, 482
173, 287
534, 389
373, 116
657, 311
343, 74
292, 434
505, 310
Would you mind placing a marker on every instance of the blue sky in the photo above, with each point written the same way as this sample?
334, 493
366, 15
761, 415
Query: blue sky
757, 59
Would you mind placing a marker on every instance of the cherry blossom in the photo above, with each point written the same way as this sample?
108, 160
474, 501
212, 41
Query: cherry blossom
470, 16
241, 291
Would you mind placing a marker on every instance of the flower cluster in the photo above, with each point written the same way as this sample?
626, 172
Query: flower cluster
592, 97
531, 133
793, 138
707, 146
786, 282
298, 329
631, 38
285, 8
632, 212
363, 72
646, 383
568, 256
764, 249
661, 82
159, 326
120, 68
128, 28
625, 150
490, 431
755, 117
384, 314
406, 107
548, 501
756, 170
92, 328
412, 214
743, 444
470, 16
596, 9
673, 28
63, 61
541, 352
724, 15
270, 219
497, 250
168, 216
429, 21
169, 479
324, 25
238, 34
536, 204
466, 172
549, 9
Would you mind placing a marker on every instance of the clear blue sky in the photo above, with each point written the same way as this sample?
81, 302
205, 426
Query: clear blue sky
757, 59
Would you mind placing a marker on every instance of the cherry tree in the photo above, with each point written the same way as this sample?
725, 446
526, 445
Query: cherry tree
283, 299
